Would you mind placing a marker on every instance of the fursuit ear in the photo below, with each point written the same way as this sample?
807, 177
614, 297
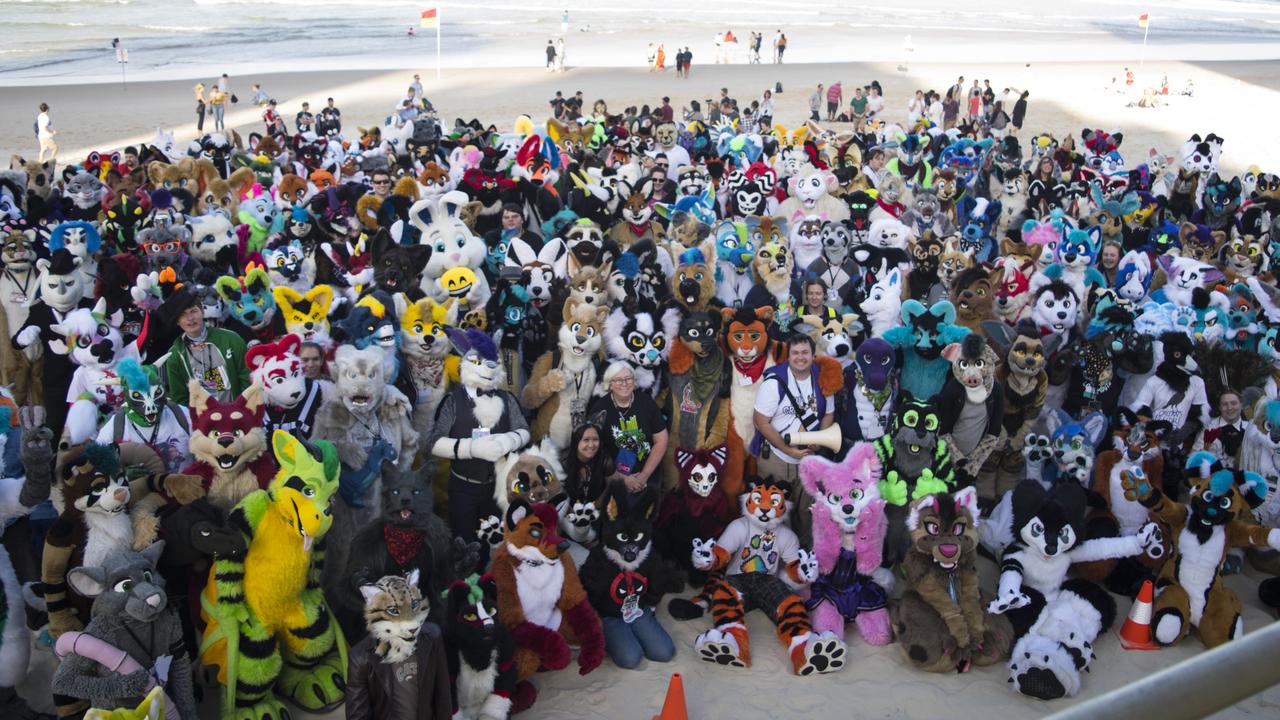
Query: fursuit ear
1028, 496
812, 468
287, 449
88, 582
369, 592
967, 499
517, 512
197, 398
1095, 424
951, 352
153, 551
412, 576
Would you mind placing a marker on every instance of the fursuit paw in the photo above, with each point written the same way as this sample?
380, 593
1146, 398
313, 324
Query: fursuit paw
704, 556
318, 689
490, 531
466, 557
268, 708
1042, 668
927, 485
1137, 487
1036, 448
682, 609
523, 698
185, 489
554, 381
894, 489
719, 648
1007, 602
822, 654
807, 566
1152, 541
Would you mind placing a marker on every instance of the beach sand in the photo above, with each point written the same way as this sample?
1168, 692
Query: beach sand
1233, 99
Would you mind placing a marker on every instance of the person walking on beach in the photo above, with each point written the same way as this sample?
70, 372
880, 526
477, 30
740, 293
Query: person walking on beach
764, 114
835, 96
652, 57
782, 47
755, 47
777, 37
950, 109
559, 54
200, 107
224, 84
679, 63
1019, 112
218, 101
662, 58
45, 133
875, 103
551, 56
688, 60
815, 102
975, 102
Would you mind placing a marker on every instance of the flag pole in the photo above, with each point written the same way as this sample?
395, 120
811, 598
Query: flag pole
438, 43
1142, 59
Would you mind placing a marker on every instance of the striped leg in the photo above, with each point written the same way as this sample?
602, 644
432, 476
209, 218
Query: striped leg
257, 667
810, 653
727, 643
314, 674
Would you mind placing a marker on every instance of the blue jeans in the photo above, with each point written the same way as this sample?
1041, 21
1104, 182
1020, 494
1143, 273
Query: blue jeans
218, 110
629, 643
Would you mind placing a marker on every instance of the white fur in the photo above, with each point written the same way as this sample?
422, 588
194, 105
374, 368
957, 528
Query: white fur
1198, 566
539, 582
476, 700
883, 304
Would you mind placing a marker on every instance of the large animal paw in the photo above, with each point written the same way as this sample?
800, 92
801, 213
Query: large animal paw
268, 708
720, 648
822, 654
490, 531
807, 566
928, 485
1036, 448
466, 557
1007, 602
703, 553
554, 381
318, 689
894, 489
1042, 668
1137, 486
185, 489
1152, 540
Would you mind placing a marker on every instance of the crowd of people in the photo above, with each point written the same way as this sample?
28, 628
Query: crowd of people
464, 394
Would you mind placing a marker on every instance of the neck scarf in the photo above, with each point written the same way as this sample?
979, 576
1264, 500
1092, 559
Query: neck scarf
402, 543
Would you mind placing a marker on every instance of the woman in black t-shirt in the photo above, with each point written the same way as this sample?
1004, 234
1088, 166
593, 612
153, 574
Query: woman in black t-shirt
587, 463
635, 435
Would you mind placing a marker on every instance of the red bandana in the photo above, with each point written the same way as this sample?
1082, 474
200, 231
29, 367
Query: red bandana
753, 369
639, 230
402, 543
894, 209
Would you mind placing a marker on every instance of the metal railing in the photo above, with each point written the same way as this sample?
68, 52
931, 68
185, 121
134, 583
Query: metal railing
1194, 688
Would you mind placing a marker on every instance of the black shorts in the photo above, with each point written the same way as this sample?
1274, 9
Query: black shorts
831, 107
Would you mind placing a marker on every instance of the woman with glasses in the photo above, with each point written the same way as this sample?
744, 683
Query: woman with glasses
635, 435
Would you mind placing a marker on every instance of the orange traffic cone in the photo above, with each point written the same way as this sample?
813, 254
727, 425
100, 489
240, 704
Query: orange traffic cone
673, 708
1136, 632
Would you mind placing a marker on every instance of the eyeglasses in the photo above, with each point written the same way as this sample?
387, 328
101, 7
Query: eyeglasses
381, 182
622, 381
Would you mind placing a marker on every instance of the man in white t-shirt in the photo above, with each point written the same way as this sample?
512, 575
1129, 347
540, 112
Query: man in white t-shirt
781, 409
779, 412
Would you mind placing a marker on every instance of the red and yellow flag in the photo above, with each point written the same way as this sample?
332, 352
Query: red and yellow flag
1143, 19
431, 19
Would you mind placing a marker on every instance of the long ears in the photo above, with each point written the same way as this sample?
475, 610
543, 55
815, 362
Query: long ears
198, 399
287, 448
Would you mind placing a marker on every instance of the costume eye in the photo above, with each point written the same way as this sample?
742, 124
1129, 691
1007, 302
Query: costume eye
931, 527
910, 418
536, 533
1225, 502
124, 586
393, 612
1036, 529
931, 422
833, 498
957, 529
856, 493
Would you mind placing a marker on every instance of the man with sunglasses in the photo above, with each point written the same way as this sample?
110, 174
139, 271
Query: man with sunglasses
380, 183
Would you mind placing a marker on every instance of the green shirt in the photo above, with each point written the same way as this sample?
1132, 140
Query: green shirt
230, 350
859, 105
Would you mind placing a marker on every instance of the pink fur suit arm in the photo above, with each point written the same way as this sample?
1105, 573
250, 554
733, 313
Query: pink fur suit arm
868, 544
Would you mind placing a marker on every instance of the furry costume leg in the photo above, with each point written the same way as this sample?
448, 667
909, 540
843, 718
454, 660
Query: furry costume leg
15, 652
810, 653
1171, 620
874, 626
727, 643
1047, 661
827, 619
314, 672
1221, 621
922, 634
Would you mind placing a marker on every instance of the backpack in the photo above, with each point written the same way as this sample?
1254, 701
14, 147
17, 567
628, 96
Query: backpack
777, 88
780, 373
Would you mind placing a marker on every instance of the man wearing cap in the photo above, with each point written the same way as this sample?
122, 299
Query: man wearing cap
211, 355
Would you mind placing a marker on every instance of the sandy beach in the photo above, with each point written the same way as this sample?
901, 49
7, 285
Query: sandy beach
1230, 99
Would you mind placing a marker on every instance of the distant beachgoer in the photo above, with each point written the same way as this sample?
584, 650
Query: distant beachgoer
412, 32
551, 56
915, 108
304, 120
858, 110
815, 102
415, 89
1128, 77
875, 103
200, 107
777, 37
272, 120
218, 101
661, 63
45, 133
559, 54
688, 61
224, 84
975, 102
835, 96
950, 109
1164, 84
329, 122
260, 96
755, 48
782, 47
1020, 110
652, 57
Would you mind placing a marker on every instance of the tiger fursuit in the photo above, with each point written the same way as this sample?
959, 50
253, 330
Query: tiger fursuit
755, 550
